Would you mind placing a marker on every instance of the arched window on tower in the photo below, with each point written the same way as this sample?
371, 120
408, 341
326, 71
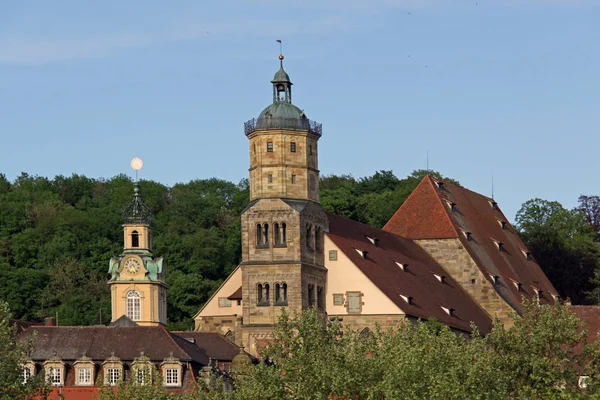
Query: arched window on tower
311, 295
281, 294
259, 235
320, 298
134, 305
135, 239
309, 236
263, 294
265, 234
283, 234
276, 234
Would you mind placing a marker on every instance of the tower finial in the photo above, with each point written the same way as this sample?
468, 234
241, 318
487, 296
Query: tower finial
137, 164
280, 52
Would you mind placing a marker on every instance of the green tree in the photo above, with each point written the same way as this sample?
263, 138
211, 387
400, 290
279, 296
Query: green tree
562, 242
14, 355
540, 357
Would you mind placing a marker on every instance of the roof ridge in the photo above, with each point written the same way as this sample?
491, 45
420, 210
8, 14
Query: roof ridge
446, 213
170, 335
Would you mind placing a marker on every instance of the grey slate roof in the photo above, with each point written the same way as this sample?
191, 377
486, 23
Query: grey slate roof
100, 342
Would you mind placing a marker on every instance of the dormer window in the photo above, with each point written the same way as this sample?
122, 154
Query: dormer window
448, 310
269, 147
502, 224
451, 205
362, 253
526, 254
373, 240
55, 371
493, 204
494, 278
499, 245
439, 277
518, 285
440, 185
468, 235
403, 267
555, 297
407, 299
538, 294
171, 372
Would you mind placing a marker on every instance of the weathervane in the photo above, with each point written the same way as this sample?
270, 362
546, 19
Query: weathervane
137, 164
280, 50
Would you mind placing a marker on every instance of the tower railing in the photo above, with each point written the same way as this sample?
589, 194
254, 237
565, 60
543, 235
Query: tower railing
304, 124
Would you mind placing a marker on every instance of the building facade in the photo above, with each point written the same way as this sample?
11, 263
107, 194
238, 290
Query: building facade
447, 253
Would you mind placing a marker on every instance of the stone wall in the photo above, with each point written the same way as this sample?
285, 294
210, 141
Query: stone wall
455, 259
271, 171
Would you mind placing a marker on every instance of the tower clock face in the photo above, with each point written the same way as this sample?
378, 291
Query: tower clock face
132, 265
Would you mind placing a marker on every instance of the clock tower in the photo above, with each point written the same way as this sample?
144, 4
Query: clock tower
137, 279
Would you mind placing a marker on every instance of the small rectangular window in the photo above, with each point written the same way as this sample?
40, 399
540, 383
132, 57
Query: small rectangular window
113, 376
270, 178
55, 376
269, 147
172, 377
354, 302
25, 374
84, 376
293, 147
310, 149
224, 302
293, 179
338, 299
332, 255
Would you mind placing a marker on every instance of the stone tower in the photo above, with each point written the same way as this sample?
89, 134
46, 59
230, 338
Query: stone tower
283, 226
138, 281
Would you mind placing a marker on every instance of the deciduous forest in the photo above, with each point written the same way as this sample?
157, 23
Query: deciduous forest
58, 235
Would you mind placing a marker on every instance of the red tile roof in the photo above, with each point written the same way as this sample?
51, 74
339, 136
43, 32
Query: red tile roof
422, 216
591, 316
419, 218
419, 282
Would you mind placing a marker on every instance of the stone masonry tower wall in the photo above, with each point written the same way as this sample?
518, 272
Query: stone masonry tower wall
283, 226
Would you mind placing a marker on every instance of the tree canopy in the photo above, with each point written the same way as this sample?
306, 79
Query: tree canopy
563, 243
58, 235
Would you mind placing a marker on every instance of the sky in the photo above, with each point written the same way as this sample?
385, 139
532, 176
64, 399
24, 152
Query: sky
506, 89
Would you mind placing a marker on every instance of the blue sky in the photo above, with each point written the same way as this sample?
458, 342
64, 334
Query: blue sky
505, 88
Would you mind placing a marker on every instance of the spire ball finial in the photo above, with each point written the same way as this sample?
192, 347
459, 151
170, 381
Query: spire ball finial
281, 57
137, 164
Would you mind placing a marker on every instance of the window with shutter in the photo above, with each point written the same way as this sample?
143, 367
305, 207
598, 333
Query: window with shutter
354, 302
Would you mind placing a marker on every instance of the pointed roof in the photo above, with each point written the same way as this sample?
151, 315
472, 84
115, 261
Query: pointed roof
137, 212
441, 210
281, 76
423, 281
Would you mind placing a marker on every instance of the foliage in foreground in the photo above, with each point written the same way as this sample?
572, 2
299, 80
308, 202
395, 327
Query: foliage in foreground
540, 357
13, 354
535, 359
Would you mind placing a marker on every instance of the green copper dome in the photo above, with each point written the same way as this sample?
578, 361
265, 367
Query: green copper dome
281, 76
282, 114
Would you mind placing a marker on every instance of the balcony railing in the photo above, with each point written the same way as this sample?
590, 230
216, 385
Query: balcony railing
284, 123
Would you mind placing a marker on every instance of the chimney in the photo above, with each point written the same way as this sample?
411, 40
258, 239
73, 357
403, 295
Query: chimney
50, 321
